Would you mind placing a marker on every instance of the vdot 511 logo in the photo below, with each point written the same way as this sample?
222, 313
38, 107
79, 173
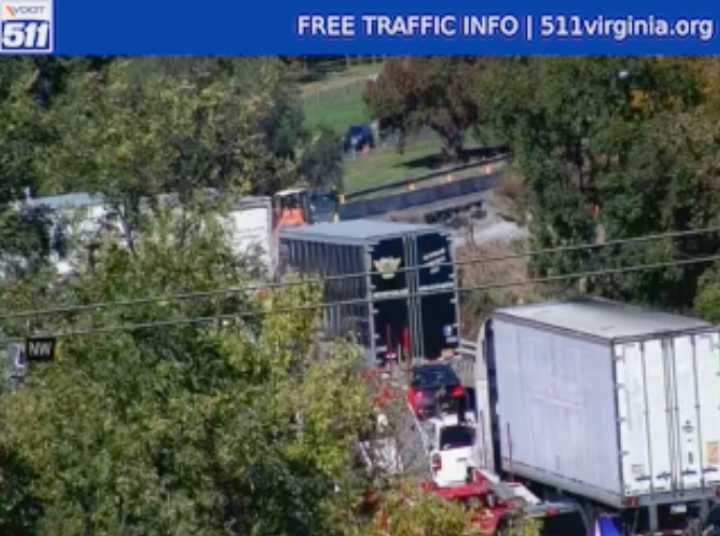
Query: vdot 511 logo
26, 26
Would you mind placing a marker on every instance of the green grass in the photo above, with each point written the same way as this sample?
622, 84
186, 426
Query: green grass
338, 108
339, 75
422, 156
335, 98
385, 164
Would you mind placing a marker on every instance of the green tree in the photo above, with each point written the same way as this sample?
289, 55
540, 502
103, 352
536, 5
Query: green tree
321, 160
240, 427
29, 89
26, 241
608, 151
133, 138
18, 130
410, 94
408, 511
133, 129
707, 302
24, 238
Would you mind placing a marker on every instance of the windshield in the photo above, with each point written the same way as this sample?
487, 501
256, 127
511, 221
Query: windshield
323, 202
454, 437
433, 377
291, 201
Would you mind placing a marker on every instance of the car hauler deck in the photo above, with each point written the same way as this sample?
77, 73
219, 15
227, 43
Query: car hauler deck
617, 405
401, 301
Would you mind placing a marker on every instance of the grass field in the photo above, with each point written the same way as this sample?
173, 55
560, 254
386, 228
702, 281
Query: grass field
337, 77
422, 157
336, 99
337, 109
333, 97
385, 164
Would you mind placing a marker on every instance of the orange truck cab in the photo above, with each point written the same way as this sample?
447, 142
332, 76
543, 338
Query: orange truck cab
299, 206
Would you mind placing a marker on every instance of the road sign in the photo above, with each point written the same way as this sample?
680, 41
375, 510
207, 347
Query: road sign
40, 349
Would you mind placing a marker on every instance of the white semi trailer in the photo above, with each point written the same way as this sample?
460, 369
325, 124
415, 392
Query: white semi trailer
84, 220
614, 406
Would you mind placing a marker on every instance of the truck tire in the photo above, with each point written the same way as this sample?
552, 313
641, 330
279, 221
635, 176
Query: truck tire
713, 518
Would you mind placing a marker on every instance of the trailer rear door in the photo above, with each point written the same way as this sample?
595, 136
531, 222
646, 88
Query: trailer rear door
686, 412
439, 325
669, 411
707, 364
632, 408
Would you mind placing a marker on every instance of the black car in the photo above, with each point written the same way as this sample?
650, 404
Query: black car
435, 388
358, 137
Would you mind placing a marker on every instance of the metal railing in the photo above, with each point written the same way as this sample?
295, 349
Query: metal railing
405, 184
464, 362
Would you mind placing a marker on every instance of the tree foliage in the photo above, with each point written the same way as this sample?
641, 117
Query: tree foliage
132, 134
133, 129
609, 149
24, 236
426, 92
29, 88
320, 165
240, 428
408, 511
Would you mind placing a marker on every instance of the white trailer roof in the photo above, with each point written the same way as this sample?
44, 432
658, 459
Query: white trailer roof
359, 231
601, 318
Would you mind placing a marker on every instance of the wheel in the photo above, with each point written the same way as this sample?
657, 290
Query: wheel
713, 519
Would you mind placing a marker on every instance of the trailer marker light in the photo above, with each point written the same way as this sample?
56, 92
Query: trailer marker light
631, 501
436, 462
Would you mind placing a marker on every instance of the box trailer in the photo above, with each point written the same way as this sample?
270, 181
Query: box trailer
249, 222
610, 402
81, 220
391, 285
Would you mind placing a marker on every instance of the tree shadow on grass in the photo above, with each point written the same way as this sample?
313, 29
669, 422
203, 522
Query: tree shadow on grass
438, 160
321, 68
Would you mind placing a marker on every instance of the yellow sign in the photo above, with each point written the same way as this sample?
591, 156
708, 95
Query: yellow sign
387, 266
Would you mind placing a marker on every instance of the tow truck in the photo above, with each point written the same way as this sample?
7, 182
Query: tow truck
496, 504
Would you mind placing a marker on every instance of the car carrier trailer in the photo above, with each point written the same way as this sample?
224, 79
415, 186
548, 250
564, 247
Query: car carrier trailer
616, 406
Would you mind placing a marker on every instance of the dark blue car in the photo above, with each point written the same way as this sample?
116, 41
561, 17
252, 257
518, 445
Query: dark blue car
358, 137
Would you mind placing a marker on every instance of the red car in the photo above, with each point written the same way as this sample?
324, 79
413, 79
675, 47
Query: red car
433, 389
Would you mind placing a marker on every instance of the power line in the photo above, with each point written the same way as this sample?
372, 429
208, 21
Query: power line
324, 279
595, 273
365, 301
609, 243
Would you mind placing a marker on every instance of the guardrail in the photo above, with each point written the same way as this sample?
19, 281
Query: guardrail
408, 184
464, 363
373, 206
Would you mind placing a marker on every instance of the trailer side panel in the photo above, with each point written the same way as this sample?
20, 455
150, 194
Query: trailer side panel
556, 409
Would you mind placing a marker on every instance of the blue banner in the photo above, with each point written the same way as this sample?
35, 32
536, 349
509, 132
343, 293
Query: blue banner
421, 27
